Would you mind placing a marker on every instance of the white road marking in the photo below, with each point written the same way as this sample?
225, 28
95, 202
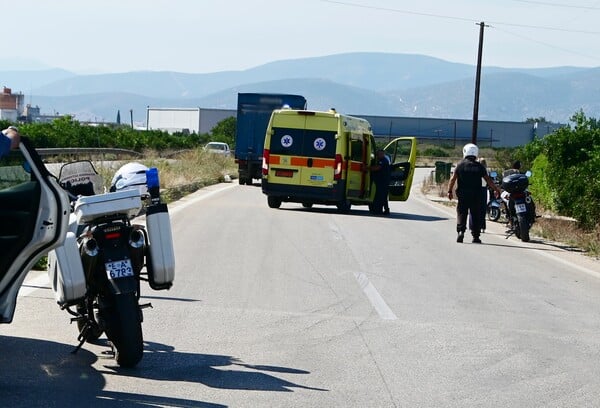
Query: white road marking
31, 285
376, 300
382, 309
189, 200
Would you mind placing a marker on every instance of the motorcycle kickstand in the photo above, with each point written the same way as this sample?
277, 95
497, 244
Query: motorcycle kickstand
83, 334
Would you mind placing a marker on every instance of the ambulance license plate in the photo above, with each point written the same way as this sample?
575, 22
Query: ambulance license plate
119, 269
520, 208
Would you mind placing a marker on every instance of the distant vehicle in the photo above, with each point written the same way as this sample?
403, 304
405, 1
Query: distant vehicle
253, 114
218, 148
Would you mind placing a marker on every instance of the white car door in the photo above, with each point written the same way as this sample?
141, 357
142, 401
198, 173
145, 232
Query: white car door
34, 215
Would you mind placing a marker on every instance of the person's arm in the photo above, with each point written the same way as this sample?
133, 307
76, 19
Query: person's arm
9, 139
491, 184
451, 185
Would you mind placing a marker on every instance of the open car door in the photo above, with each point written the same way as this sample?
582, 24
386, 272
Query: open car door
403, 154
34, 216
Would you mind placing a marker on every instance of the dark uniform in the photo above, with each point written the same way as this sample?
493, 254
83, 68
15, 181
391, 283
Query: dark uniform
469, 173
381, 178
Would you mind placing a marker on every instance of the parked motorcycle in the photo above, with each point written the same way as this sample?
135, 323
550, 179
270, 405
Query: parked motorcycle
496, 207
521, 208
96, 274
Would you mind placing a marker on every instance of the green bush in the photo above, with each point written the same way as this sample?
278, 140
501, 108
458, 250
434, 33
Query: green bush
435, 152
67, 132
571, 172
539, 186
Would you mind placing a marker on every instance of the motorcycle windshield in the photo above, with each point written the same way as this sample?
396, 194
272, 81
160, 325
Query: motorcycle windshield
81, 178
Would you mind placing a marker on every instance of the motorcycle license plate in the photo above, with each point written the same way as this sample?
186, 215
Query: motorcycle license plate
520, 208
119, 269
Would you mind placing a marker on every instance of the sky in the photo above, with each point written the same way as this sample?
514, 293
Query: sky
199, 36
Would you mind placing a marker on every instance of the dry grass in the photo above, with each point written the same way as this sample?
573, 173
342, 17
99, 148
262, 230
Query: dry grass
568, 233
182, 175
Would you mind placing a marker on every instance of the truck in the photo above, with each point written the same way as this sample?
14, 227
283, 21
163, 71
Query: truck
253, 114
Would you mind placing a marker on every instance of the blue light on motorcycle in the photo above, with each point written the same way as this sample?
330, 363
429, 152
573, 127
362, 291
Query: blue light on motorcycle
152, 178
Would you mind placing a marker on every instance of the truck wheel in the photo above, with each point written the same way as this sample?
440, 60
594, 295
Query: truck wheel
274, 202
249, 182
242, 181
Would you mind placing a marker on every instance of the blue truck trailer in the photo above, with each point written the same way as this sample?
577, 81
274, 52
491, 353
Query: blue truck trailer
253, 114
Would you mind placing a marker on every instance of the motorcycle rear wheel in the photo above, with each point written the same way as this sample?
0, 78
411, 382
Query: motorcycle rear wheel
493, 213
523, 228
124, 330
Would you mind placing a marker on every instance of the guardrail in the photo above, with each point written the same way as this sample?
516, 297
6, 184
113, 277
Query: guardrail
87, 151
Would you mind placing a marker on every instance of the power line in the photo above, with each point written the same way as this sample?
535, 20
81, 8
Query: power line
545, 3
446, 17
592, 57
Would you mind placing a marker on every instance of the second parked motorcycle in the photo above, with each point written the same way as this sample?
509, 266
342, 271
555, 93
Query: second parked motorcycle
521, 208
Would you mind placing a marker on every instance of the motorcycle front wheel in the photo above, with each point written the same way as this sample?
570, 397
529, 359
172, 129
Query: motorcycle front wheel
523, 228
124, 330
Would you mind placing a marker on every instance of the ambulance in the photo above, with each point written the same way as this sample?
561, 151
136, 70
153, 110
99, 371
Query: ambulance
313, 157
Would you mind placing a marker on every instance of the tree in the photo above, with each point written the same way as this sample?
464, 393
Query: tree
224, 131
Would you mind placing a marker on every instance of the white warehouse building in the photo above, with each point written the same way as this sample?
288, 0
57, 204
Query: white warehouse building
187, 120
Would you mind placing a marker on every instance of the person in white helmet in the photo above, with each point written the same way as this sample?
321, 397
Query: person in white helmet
467, 176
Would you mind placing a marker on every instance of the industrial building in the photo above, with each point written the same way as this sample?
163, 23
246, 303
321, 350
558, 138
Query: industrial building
185, 120
11, 105
442, 131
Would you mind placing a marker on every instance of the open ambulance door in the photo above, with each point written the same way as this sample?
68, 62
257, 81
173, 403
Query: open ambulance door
403, 155
34, 216
358, 181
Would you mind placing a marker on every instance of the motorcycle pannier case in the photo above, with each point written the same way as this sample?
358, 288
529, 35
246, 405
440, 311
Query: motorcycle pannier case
127, 202
65, 272
161, 257
515, 183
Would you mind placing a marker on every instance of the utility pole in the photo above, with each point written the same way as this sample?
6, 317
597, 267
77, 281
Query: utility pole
477, 84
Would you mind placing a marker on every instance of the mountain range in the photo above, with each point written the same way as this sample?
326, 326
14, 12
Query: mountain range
356, 83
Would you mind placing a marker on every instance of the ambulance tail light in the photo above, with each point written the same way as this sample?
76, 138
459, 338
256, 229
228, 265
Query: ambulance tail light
337, 168
265, 162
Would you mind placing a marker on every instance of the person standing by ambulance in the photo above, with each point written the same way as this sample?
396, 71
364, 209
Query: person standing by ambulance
380, 174
468, 175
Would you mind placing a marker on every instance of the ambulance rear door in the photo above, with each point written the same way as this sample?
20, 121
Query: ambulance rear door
359, 157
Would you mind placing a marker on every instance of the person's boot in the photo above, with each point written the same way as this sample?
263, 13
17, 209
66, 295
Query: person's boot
460, 237
476, 240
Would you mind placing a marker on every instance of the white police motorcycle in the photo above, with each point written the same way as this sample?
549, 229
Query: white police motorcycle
97, 273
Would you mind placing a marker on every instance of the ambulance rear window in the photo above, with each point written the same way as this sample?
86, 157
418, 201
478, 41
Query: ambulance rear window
303, 142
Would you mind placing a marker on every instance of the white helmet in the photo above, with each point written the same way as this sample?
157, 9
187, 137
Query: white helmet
470, 150
130, 176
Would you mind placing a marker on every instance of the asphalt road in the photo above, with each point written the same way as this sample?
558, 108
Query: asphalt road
311, 308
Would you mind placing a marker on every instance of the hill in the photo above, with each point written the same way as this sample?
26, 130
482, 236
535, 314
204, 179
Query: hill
363, 83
